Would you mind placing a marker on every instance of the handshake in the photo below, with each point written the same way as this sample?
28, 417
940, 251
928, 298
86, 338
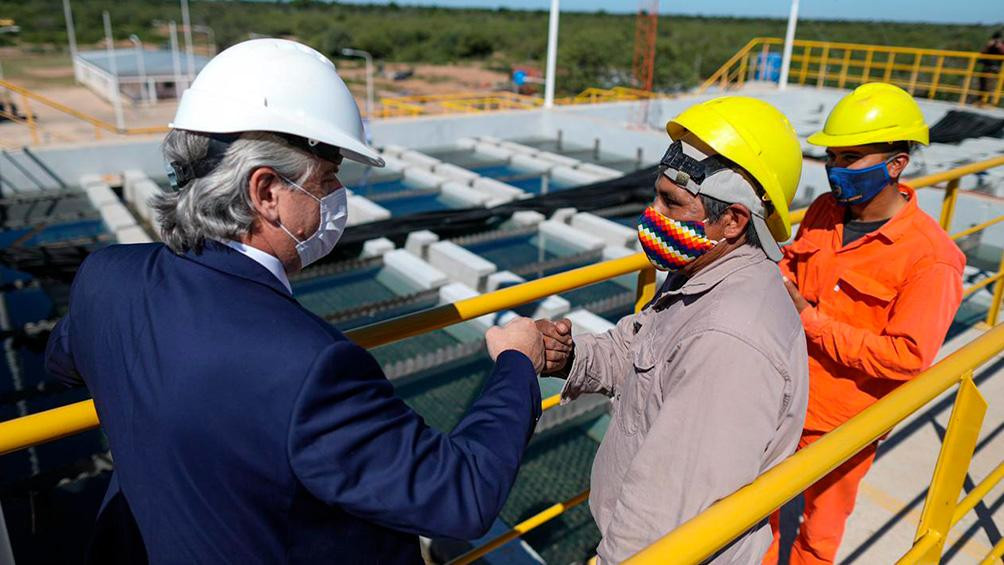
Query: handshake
548, 344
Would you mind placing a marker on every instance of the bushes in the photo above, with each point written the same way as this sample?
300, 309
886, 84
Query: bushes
595, 49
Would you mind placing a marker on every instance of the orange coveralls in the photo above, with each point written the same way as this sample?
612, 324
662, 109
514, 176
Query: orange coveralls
879, 311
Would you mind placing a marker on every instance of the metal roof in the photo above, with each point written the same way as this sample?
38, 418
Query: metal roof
159, 62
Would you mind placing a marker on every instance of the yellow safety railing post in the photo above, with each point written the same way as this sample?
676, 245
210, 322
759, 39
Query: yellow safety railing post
519, 529
936, 77
866, 73
957, 449
977, 494
995, 302
917, 56
1000, 87
645, 291
967, 78
806, 56
995, 554
948, 204
32, 126
890, 60
843, 68
823, 64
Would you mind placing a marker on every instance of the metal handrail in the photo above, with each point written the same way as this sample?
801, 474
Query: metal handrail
950, 75
56, 423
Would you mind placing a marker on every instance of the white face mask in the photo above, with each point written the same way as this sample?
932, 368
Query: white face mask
334, 212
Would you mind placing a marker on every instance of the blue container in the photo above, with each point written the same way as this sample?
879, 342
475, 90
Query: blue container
768, 67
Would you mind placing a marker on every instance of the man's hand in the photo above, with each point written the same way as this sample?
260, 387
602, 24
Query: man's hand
796, 297
557, 343
521, 335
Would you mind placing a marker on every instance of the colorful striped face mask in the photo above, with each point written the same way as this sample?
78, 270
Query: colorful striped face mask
671, 244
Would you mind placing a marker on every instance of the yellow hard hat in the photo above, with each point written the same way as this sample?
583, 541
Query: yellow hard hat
756, 136
876, 112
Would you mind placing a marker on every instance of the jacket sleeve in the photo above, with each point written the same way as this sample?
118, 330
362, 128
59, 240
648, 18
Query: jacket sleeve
920, 318
58, 356
721, 406
600, 362
355, 445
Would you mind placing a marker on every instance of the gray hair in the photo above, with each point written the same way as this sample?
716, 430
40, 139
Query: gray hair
217, 206
714, 209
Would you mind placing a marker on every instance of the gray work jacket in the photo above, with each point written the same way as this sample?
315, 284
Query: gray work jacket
709, 386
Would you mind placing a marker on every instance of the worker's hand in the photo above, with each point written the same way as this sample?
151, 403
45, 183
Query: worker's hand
796, 297
557, 343
521, 335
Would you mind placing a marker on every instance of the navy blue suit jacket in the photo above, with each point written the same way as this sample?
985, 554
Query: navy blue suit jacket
245, 429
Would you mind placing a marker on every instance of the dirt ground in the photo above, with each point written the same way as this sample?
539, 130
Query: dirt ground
51, 76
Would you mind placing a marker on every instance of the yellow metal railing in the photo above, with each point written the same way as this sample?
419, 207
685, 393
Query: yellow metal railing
27, 96
962, 76
730, 517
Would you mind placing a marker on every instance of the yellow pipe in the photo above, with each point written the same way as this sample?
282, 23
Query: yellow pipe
925, 544
978, 493
550, 402
995, 554
519, 529
970, 290
728, 518
977, 227
47, 426
441, 316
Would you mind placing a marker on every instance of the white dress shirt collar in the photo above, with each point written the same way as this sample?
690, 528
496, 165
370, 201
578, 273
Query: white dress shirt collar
270, 262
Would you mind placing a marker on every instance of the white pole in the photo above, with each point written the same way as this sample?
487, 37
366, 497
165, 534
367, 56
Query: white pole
552, 55
369, 76
176, 58
141, 66
71, 35
116, 97
186, 24
789, 38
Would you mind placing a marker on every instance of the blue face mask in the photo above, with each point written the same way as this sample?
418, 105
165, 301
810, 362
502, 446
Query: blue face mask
857, 186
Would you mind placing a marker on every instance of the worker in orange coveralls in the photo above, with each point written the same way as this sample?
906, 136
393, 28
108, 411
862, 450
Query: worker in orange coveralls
877, 283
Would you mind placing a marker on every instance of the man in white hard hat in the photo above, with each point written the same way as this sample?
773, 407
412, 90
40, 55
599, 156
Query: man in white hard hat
244, 428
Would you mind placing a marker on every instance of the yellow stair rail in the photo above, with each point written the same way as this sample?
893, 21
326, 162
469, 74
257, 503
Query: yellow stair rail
961, 76
99, 124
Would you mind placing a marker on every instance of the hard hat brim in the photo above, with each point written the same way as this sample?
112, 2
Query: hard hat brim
887, 135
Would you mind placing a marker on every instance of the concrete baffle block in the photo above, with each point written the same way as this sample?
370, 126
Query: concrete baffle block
455, 292
610, 232
377, 247
423, 177
362, 210
132, 234
418, 242
585, 322
459, 194
460, 264
455, 173
116, 217
527, 218
502, 279
530, 163
404, 266
420, 159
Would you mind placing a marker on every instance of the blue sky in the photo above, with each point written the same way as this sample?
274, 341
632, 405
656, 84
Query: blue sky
964, 11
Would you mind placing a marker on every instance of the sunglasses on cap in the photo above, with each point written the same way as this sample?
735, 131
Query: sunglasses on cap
689, 172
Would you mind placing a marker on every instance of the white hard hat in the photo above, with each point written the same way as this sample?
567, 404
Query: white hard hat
279, 86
